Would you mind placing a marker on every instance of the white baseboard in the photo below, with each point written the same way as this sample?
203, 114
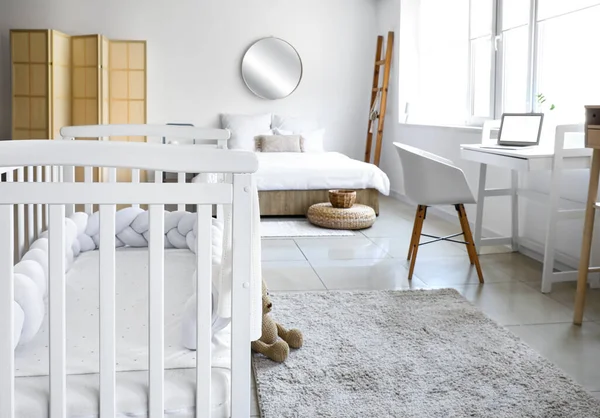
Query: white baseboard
527, 246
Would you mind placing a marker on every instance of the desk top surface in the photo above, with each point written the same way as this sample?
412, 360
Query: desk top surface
529, 152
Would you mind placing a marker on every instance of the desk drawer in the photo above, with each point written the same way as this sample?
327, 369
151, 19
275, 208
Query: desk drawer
592, 138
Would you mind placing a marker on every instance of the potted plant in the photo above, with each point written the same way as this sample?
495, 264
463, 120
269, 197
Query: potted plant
541, 99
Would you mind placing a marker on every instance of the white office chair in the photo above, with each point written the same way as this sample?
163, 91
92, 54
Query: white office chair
430, 180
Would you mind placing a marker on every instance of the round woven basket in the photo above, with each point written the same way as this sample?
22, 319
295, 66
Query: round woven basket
326, 216
342, 198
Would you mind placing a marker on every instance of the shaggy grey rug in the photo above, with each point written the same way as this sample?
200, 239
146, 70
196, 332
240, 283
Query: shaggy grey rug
423, 353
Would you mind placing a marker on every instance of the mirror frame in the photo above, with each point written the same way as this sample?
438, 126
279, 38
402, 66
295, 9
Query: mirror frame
299, 60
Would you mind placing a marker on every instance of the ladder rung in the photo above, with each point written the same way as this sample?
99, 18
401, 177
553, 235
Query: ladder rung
380, 62
379, 89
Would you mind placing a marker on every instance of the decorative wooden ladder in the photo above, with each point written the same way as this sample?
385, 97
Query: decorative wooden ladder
379, 97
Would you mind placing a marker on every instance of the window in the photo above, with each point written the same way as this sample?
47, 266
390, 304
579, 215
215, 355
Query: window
437, 81
481, 38
511, 52
512, 89
567, 63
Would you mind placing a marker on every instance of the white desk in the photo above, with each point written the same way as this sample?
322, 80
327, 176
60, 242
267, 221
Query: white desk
528, 159
525, 160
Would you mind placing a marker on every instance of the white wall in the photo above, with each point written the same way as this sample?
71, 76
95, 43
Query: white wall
446, 141
195, 49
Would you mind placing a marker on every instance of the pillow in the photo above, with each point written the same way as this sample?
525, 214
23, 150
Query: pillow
278, 131
310, 142
257, 146
280, 143
293, 124
244, 128
313, 141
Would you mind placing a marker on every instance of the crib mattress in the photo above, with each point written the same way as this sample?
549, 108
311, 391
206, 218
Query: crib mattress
82, 296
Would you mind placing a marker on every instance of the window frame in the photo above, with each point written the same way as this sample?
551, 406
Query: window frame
499, 53
497, 65
472, 119
498, 57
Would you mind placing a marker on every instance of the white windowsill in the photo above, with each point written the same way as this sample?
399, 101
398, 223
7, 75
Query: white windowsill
464, 128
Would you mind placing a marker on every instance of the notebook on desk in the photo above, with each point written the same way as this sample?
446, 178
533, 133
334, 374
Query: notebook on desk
518, 131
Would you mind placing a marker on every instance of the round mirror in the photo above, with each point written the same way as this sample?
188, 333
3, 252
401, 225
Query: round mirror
272, 68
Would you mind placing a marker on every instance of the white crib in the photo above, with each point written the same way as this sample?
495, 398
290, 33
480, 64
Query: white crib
40, 190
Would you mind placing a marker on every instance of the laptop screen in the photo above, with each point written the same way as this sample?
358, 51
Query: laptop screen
520, 129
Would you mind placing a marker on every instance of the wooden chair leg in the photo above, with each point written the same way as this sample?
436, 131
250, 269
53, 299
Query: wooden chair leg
421, 213
412, 237
471, 250
588, 233
461, 220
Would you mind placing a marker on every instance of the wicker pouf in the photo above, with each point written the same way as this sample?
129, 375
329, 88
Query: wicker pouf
326, 216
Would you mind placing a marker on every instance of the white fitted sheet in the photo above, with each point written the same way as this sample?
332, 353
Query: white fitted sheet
316, 171
132, 342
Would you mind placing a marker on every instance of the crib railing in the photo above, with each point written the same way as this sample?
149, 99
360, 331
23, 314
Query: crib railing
44, 200
30, 220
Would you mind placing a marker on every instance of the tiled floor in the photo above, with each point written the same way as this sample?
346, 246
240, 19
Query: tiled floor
376, 259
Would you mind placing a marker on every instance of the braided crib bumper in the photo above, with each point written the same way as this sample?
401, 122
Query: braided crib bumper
82, 234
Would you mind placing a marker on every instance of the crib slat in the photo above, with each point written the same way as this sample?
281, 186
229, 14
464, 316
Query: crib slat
240, 304
88, 174
181, 179
39, 227
158, 177
30, 225
9, 179
20, 219
88, 177
68, 177
107, 311
203, 310
47, 179
156, 307
55, 174
7, 357
57, 301
135, 178
112, 174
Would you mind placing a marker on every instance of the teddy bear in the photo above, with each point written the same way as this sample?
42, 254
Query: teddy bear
269, 343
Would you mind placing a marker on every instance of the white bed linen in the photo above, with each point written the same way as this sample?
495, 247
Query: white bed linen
32, 397
317, 171
82, 294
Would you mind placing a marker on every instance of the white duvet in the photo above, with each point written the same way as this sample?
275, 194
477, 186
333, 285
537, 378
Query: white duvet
317, 171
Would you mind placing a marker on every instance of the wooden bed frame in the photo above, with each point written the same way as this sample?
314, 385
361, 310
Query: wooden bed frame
297, 202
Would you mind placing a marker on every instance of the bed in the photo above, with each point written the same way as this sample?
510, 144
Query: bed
99, 313
288, 183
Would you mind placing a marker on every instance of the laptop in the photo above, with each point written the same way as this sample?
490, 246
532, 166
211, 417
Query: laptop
519, 130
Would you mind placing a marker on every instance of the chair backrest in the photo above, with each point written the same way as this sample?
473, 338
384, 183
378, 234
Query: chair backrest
566, 137
430, 179
569, 136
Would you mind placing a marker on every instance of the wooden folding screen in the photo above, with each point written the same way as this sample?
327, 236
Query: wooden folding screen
60, 80
31, 65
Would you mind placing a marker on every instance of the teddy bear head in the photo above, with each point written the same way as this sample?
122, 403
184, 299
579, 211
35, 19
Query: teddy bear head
266, 300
